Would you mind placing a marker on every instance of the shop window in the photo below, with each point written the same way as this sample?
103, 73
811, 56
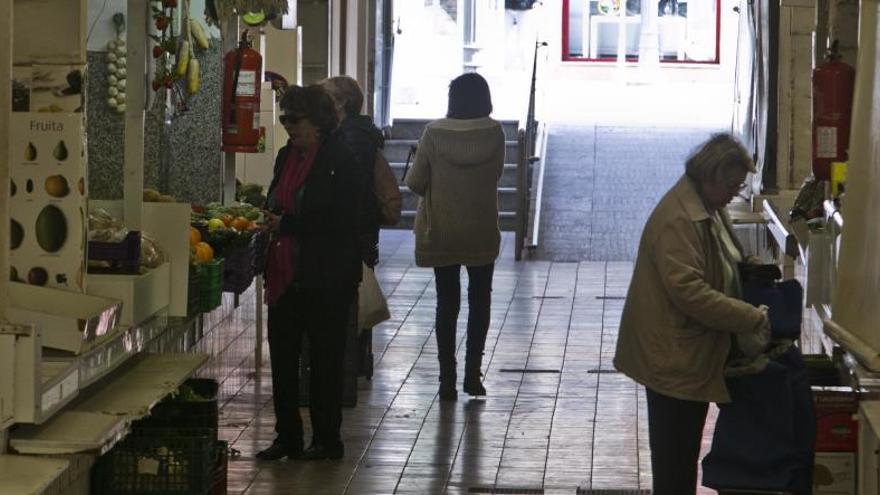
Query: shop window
688, 31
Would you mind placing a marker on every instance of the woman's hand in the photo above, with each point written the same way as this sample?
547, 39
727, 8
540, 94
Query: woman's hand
272, 221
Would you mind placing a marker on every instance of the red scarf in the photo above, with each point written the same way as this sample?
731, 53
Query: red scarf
283, 252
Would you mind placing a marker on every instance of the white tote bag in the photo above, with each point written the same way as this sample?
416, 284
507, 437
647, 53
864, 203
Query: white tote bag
372, 306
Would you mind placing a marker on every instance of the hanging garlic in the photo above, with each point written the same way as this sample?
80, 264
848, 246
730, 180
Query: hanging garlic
112, 80
112, 91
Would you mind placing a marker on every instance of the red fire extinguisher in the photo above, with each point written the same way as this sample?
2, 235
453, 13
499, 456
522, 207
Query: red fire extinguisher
242, 72
833, 83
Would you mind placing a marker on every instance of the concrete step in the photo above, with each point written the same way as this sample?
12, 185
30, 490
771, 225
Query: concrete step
413, 128
508, 176
507, 221
506, 198
396, 150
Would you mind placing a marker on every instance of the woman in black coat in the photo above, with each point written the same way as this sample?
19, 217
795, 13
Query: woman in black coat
313, 272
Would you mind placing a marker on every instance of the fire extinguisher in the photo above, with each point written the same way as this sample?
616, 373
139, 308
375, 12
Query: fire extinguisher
242, 73
833, 83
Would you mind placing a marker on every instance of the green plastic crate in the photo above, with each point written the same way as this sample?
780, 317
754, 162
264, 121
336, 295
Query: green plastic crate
210, 284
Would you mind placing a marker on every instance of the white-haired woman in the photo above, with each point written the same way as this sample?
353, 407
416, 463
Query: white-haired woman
683, 310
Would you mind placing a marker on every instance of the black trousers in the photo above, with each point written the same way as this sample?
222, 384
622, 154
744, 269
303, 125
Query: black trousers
321, 316
675, 428
448, 306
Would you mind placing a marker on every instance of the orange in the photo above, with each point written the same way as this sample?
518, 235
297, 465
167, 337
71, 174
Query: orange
227, 219
195, 236
241, 223
204, 252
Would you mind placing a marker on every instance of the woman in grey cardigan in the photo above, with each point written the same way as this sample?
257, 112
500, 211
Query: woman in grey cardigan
456, 172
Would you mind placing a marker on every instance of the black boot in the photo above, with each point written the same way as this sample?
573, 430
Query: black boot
472, 377
448, 377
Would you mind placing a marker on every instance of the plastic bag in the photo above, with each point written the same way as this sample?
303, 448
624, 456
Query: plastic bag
104, 227
151, 254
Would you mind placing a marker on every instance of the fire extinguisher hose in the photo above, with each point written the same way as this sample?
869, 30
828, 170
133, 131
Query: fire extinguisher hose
234, 86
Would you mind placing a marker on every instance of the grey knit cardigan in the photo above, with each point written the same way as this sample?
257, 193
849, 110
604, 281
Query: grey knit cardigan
456, 172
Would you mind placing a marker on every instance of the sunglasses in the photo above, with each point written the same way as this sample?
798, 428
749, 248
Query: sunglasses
289, 120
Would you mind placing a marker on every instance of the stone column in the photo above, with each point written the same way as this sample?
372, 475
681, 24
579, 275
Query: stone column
649, 43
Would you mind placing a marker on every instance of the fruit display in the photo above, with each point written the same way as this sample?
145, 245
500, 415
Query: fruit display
226, 228
154, 196
116, 66
177, 69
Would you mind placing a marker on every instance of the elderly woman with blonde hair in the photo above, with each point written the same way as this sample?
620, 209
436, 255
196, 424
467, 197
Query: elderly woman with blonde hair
683, 311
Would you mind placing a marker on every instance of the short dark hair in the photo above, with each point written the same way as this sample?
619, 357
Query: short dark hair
313, 103
469, 97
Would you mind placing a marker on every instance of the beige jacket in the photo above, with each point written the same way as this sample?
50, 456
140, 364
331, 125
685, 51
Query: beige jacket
675, 331
456, 172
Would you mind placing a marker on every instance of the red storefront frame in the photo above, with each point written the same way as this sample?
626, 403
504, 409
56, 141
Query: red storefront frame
568, 58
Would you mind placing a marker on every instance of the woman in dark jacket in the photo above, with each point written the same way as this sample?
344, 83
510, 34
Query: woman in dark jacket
313, 272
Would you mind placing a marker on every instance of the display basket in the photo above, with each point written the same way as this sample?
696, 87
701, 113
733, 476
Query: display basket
260, 243
238, 273
210, 284
184, 410
124, 257
166, 461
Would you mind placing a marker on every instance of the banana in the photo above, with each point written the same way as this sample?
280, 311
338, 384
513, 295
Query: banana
198, 32
192, 83
182, 59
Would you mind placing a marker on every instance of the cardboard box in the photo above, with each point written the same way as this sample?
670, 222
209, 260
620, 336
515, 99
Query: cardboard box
142, 295
834, 473
67, 320
837, 426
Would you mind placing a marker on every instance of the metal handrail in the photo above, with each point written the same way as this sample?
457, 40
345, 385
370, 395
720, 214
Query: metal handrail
526, 145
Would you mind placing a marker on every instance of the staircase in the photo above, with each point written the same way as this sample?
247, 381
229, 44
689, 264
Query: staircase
405, 133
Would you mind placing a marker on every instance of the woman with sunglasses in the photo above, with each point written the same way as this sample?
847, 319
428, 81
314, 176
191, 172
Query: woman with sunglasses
683, 313
313, 271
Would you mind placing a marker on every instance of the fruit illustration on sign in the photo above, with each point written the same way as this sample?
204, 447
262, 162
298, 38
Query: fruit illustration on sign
56, 186
29, 186
60, 151
38, 276
51, 229
12, 188
16, 234
13, 274
30, 152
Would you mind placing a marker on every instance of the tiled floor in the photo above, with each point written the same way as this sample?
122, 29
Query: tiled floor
557, 416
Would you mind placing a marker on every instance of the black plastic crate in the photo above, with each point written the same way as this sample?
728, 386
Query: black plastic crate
238, 271
175, 411
124, 256
167, 461
192, 293
219, 483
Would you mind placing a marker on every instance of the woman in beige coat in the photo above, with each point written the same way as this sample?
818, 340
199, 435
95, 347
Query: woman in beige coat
682, 309
456, 172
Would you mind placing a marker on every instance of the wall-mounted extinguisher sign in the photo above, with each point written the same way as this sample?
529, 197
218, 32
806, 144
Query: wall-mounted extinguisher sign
242, 74
833, 83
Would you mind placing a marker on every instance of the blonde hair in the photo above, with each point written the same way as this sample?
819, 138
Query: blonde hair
717, 158
346, 92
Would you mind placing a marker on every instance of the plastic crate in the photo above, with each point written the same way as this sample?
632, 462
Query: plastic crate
260, 243
192, 292
219, 483
176, 412
124, 256
167, 461
238, 272
210, 284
